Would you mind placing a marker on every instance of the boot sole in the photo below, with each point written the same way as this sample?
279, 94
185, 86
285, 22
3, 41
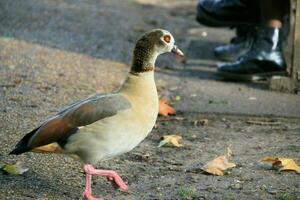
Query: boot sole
229, 58
252, 77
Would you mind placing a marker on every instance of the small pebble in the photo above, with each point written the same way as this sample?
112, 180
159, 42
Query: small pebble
272, 191
204, 34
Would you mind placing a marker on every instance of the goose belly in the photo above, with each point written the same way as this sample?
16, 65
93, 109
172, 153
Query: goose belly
111, 136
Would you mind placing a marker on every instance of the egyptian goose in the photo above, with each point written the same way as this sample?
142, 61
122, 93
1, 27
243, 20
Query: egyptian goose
103, 126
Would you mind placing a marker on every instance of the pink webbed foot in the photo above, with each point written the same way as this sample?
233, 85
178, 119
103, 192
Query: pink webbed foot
117, 183
111, 176
88, 196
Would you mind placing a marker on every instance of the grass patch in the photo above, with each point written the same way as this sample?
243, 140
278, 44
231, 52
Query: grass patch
228, 197
285, 197
188, 193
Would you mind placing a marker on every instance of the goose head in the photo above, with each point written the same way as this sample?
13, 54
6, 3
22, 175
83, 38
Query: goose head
150, 46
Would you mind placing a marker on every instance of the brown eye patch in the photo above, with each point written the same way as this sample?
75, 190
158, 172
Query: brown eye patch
167, 38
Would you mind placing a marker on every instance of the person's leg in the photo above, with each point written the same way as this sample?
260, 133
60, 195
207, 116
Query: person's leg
272, 17
265, 57
239, 14
227, 13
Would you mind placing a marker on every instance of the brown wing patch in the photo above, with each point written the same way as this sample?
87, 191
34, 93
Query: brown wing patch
97, 109
83, 115
66, 123
53, 131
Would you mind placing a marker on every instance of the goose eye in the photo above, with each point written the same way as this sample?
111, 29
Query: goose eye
167, 38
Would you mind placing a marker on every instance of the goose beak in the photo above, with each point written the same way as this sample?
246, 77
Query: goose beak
177, 51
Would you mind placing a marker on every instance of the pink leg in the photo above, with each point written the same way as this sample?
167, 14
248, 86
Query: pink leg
87, 194
111, 176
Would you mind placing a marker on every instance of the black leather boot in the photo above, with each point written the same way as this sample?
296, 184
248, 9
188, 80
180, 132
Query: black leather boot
238, 45
263, 60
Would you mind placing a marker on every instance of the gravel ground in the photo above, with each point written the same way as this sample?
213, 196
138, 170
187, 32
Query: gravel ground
56, 52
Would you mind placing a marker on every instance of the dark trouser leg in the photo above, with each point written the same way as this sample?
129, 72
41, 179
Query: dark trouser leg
228, 13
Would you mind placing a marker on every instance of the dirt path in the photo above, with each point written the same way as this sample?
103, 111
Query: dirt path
55, 52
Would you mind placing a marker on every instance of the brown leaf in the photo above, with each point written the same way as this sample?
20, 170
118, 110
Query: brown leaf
172, 140
17, 81
218, 165
282, 164
16, 98
165, 109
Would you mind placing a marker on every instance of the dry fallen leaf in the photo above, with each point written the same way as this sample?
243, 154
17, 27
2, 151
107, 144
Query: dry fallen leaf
17, 81
165, 109
16, 98
14, 169
172, 140
282, 164
218, 165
